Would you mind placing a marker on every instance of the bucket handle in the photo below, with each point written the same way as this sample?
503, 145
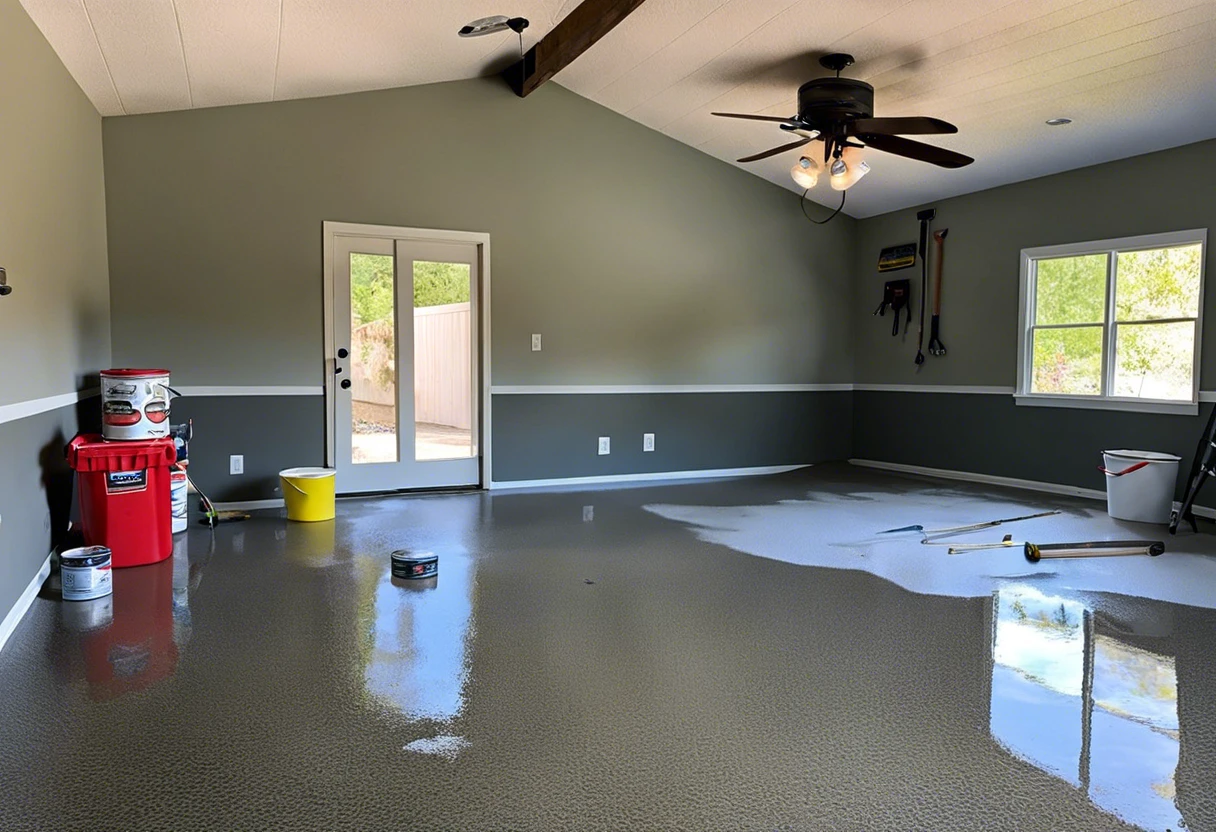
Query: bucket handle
293, 485
1136, 467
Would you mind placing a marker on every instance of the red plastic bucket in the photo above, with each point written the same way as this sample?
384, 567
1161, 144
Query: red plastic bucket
134, 404
124, 496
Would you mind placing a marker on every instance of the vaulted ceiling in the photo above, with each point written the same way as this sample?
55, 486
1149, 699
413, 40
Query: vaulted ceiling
1134, 75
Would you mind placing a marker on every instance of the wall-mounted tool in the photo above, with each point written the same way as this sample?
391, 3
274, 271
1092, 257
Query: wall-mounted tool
894, 258
5, 289
936, 347
922, 248
895, 294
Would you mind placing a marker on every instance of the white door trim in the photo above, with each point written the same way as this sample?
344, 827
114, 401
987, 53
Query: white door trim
329, 231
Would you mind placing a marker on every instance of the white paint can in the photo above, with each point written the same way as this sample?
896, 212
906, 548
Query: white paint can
84, 574
178, 502
134, 404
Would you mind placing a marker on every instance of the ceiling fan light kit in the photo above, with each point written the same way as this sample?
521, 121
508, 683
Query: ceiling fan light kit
840, 113
805, 172
490, 25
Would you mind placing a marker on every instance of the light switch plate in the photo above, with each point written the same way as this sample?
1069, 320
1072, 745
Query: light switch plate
536, 342
236, 464
605, 445
647, 442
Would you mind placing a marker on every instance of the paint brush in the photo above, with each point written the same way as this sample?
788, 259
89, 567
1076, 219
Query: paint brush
1093, 549
970, 528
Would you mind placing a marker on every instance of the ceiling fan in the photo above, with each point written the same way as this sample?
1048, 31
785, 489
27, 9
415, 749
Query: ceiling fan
840, 112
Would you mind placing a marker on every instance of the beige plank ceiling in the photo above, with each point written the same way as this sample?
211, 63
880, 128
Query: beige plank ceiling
1133, 74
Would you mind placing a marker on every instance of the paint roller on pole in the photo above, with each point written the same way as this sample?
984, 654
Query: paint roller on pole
969, 528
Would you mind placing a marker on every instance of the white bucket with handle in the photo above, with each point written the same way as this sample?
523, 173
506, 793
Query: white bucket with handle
1140, 485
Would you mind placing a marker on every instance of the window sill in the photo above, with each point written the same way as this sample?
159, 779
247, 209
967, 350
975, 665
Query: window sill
1099, 403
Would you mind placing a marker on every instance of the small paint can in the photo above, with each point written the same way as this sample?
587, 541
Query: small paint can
414, 566
177, 498
84, 573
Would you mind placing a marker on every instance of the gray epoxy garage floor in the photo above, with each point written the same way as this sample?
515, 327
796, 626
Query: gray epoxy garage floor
724, 655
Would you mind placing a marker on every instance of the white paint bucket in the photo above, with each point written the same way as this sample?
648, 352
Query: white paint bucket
177, 498
134, 404
85, 573
1140, 485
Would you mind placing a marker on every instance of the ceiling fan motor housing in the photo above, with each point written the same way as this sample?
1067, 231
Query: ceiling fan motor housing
834, 99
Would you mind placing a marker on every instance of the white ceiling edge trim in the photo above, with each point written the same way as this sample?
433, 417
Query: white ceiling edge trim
32, 407
252, 390
620, 389
656, 477
1006, 482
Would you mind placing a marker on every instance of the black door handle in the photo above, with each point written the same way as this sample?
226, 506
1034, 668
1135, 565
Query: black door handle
342, 353
337, 371
345, 384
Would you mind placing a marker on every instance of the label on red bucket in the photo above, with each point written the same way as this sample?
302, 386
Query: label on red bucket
135, 404
120, 482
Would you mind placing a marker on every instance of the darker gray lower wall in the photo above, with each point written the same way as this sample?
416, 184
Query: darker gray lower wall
549, 436
989, 434
271, 432
36, 496
537, 436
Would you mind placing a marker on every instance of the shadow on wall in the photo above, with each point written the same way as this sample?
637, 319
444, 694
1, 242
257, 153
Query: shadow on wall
57, 483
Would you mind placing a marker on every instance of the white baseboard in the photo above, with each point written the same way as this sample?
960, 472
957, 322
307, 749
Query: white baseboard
1007, 482
715, 473
24, 602
249, 505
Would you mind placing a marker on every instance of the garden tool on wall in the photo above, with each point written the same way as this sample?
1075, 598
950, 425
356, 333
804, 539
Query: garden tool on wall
925, 217
936, 347
895, 295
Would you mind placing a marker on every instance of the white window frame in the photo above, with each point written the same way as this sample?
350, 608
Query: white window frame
1104, 401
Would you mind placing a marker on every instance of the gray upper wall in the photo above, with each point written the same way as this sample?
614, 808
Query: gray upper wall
55, 326
639, 259
1166, 191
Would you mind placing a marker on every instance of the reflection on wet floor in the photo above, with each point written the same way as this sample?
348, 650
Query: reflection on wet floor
1085, 706
618, 668
131, 639
418, 634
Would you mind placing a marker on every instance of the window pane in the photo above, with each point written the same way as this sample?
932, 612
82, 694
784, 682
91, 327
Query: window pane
1071, 290
1158, 283
1068, 361
443, 363
1155, 361
373, 359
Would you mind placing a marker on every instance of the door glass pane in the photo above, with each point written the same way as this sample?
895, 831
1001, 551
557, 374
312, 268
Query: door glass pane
1068, 361
373, 359
443, 361
1155, 361
1070, 290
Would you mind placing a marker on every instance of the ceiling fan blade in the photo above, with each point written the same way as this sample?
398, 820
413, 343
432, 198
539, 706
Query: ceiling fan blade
752, 117
905, 126
916, 150
775, 150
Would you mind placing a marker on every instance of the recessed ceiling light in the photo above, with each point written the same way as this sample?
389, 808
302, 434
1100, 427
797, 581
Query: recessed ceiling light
1058, 122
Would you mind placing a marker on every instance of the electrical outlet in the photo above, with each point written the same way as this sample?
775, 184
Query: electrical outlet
588, 513
236, 464
605, 445
647, 441
536, 342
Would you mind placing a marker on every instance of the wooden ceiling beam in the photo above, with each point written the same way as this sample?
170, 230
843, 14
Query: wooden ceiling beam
574, 35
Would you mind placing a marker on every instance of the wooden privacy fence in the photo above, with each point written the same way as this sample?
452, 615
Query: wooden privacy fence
442, 385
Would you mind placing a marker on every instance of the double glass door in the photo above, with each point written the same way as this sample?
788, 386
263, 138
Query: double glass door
406, 407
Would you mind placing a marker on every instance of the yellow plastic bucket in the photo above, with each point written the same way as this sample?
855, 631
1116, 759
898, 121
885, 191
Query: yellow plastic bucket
309, 493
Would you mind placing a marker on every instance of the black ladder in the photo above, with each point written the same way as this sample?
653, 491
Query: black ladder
1202, 467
